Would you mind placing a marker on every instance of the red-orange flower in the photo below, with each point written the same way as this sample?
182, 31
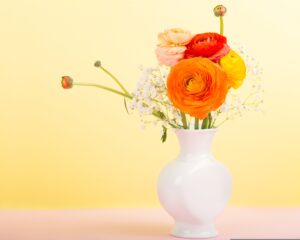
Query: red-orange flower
208, 45
66, 82
197, 86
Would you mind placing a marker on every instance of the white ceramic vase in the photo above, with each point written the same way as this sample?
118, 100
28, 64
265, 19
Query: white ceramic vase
194, 188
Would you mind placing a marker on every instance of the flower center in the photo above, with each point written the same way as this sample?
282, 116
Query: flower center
194, 85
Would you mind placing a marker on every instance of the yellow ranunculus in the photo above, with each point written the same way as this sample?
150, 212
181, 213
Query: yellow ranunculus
235, 68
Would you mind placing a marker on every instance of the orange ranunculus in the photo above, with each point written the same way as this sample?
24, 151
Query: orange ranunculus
197, 86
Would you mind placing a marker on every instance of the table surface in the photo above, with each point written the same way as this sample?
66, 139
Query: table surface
111, 224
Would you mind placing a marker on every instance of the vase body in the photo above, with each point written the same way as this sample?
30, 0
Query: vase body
194, 188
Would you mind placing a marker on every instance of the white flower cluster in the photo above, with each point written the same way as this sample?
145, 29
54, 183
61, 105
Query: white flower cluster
237, 102
151, 101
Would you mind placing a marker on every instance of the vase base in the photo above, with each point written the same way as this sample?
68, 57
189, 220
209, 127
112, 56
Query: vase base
183, 230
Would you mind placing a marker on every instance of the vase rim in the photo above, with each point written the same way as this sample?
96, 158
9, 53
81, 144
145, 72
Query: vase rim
195, 130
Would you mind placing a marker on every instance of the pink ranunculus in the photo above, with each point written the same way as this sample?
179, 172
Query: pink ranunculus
169, 56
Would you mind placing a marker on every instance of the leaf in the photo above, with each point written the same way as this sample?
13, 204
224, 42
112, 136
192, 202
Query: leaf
125, 105
164, 135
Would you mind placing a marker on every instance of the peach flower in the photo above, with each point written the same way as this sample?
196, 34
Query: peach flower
174, 37
197, 86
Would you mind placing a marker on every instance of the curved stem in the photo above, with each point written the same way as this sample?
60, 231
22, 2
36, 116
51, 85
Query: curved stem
115, 79
127, 95
247, 98
213, 123
156, 114
162, 117
221, 123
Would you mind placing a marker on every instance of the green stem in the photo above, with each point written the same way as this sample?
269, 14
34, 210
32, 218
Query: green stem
162, 116
221, 123
221, 25
213, 123
127, 95
210, 120
196, 123
205, 123
172, 125
156, 114
115, 79
183, 118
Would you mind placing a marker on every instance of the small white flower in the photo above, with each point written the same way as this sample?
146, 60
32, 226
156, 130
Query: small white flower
147, 111
139, 107
132, 104
141, 67
213, 114
153, 92
224, 107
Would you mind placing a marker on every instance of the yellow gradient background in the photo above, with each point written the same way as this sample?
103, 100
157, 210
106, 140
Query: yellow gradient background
80, 149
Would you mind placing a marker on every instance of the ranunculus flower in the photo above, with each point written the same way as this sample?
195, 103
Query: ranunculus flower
209, 45
174, 37
235, 68
66, 82
197, 86
169, 56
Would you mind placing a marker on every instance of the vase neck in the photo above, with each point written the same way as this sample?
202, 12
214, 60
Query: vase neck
195, 142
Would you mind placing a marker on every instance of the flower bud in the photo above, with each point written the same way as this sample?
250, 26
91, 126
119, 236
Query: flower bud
220, 11
97, 64
66, 82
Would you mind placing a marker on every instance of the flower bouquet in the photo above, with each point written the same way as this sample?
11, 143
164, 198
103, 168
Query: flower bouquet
192, 90
193, 87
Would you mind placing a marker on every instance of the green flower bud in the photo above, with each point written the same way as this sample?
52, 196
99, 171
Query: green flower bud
97, 64
220, 11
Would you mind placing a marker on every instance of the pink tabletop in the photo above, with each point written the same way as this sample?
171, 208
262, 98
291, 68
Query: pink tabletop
110, 224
